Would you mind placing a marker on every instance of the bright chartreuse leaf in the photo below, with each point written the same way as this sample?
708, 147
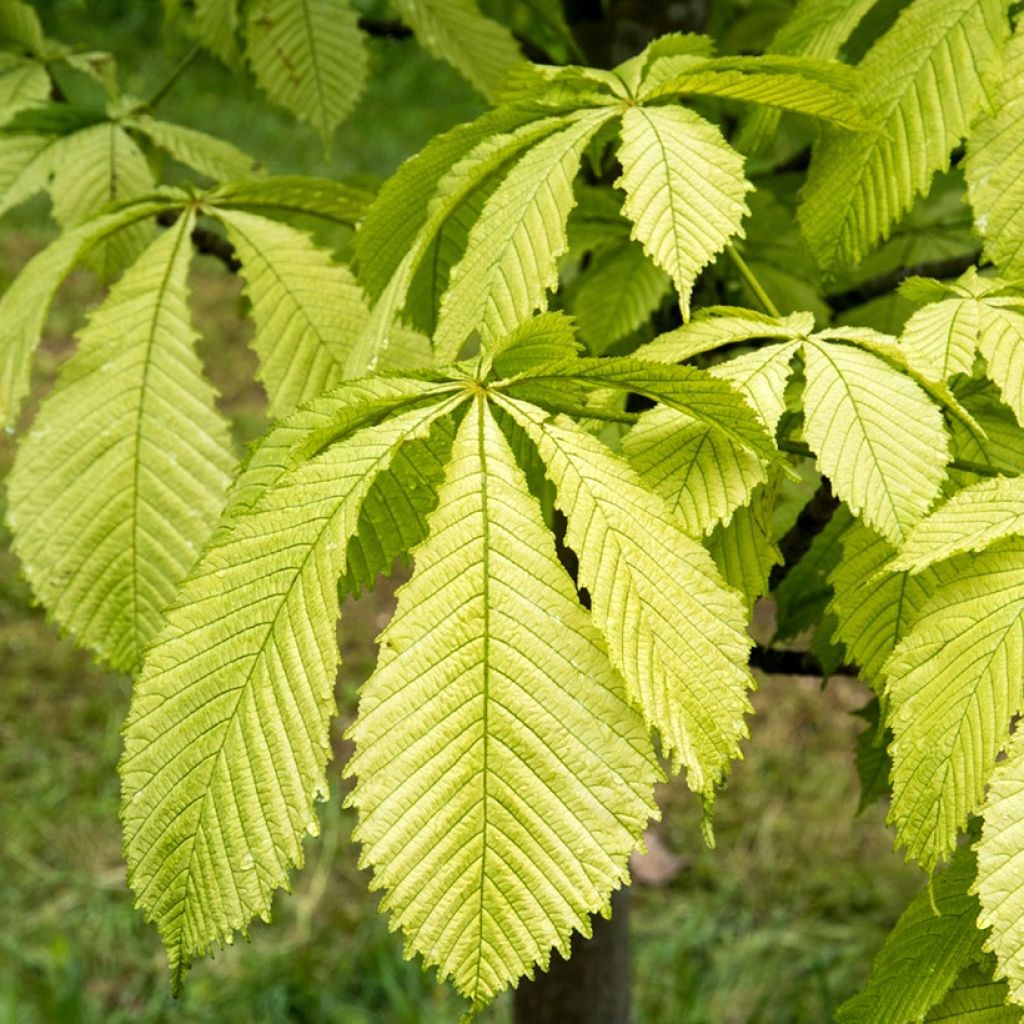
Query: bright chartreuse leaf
309, 57
876, 435
805, 85
941, 338
672, 628
933, 941
511, 258
709, 330
685, 190
874, 605
743, 548
617, 294
25, 303
212, 157
308, 309
816, 28
92, 168
921, 85
227, 738
995, 166
976, 999
761, 376
293, 194
23, 83
481, 50
698, 393
1002, 344
971, 520
954, 685
503, 777
123, 474
216, 27
1000, 854
542, 340
401, 209
702, 475
443, 180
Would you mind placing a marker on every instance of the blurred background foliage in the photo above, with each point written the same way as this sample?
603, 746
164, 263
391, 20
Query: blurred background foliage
776, 926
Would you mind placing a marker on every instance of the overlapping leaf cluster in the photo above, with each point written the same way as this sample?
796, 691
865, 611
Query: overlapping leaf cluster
507, 745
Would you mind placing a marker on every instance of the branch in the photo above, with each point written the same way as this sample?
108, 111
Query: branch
791, 663
207, 242
952, 267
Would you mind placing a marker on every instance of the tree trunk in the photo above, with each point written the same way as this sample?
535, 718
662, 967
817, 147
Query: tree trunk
593, 985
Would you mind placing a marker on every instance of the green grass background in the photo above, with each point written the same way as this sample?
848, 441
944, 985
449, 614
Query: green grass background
777, 925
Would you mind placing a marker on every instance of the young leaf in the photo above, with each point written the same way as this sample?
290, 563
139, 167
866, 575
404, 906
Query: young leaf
672, 628
702, 475
685, 190
924, 954
483, 51
293, 194
952, 693
123, 475
761, 376
971, 520
23, 83
976, 999
618, 293
309, 57
708, 331
816, 28
1002, 345
227, 739
1000, 852
93, 168
995, 167
822, 89
216, 26
215, 158
873, 614
743, 548
922, 83
940, 339
24, 305
308, 309
699, 394
511, 258
503, 778
876, 435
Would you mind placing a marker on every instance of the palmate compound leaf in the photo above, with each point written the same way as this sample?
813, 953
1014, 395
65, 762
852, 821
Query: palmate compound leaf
971, 520
673, 630
24, 305
876, 435
995, 166
685, 190
922, 83
511, 258
954, 684
123, 474
933, 941
503, 777
227, 739
309, 57
483, 51
1000, 852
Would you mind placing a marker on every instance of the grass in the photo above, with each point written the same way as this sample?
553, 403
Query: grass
775, 926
